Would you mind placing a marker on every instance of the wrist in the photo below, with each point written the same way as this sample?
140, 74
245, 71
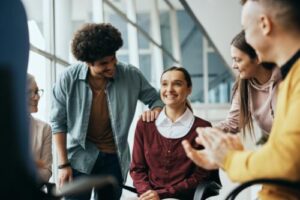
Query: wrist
65, 165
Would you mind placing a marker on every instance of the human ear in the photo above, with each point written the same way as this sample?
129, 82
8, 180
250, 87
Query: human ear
265, 24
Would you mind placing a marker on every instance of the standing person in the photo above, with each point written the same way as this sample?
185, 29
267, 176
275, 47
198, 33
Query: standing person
254, 95
94, 103
160, 169
272, 28
40, 132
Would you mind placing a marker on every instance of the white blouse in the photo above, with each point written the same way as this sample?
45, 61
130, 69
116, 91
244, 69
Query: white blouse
176, 129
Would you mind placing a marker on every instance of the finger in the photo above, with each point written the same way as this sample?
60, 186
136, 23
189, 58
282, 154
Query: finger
205, 137
147, 116
146, 195
152, 116
235, 142
192, 153
144, 116
156, 113
214, 137
200, 130
205, 141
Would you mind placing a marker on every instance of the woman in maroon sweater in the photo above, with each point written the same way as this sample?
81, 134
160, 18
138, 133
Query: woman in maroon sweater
160, 169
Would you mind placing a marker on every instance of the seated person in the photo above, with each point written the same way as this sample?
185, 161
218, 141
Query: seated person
41, 138
160, 169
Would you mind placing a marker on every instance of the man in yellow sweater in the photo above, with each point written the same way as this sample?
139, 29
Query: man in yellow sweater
272, 27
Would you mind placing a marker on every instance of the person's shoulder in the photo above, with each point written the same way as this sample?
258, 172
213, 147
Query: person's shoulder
127, 68
145, 125
199, 122
72, 72
41, 123
73, 69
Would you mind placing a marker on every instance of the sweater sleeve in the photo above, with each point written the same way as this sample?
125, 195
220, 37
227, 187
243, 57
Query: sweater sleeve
185, 185
231, 123
138, 168
279, 157
46, 154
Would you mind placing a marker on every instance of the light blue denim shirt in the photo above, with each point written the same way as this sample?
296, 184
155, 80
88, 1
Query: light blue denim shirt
71, 105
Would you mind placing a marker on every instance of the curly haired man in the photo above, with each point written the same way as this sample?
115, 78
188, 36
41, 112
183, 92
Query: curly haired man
93, 106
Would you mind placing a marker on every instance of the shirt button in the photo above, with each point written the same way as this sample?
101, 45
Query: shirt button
169, 151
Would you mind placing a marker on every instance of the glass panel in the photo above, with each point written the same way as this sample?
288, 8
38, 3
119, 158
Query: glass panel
143, 20
38, 22
143, 15
69, 15
192, 56
145, 65
220, 79
117, 21
120, 4
165, 30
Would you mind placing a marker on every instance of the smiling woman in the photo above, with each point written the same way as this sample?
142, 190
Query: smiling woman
160, 169
254, 92
40, 132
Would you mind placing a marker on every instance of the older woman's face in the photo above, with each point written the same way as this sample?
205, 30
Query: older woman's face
33, 97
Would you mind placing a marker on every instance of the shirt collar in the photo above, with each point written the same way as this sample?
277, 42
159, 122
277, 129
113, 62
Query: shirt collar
288, 65
185, 119
83, 72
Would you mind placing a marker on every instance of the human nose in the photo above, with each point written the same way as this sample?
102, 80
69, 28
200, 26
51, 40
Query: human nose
234, 65
169, 87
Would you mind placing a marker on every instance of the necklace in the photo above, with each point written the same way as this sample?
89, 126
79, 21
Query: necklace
97, 85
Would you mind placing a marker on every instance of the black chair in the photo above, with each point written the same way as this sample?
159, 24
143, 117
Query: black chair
278, 182
203, 191
81, 185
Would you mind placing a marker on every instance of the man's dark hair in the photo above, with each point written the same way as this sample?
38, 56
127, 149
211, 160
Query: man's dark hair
286, 12
94, 41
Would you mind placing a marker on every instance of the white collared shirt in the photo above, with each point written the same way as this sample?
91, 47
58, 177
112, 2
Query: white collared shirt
176, 129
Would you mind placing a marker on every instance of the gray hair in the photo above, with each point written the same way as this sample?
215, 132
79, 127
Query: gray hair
30, 80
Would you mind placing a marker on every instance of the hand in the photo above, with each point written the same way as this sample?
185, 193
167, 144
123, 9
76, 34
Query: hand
149, 195
64, 176
216, 144
151, 115
199, 157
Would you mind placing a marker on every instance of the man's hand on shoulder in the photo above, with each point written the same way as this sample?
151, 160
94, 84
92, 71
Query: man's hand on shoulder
151, 115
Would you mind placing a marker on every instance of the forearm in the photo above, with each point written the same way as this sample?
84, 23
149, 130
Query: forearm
61, 147
45, 173
185, 185
270, 161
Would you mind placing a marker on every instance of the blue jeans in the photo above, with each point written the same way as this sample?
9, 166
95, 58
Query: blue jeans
106, 164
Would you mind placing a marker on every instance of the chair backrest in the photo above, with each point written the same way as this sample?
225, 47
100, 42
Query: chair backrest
279, 182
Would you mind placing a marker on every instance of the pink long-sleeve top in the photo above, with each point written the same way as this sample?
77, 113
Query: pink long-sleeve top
160, 163
262, 101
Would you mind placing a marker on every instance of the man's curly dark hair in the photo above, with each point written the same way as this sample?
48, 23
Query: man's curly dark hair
95, 41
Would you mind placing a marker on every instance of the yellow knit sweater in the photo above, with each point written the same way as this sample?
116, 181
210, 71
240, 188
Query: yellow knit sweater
280, 156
